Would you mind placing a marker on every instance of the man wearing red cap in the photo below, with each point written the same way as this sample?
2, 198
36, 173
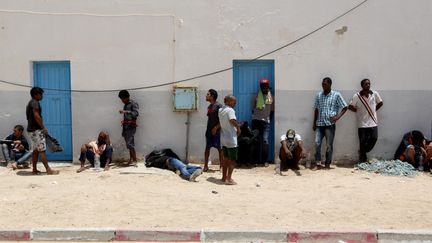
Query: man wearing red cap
262, 113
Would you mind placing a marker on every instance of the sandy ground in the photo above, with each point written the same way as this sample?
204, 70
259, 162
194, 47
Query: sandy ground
138, 198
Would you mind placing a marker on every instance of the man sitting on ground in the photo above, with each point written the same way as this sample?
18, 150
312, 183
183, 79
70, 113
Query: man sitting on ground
15, 148
415, 149
168, 160
100, 149
291, 151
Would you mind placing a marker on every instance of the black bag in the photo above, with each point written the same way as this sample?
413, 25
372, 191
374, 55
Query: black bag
52, 144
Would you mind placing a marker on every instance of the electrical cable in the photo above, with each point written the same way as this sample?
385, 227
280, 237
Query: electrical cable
211, 73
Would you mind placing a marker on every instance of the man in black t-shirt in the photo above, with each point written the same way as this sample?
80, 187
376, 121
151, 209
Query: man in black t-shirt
37, 130
15, 148
212, 133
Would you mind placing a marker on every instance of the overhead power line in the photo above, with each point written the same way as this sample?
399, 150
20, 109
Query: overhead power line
210, 73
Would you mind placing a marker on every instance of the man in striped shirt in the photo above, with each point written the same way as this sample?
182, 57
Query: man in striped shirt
329, 108
366, 103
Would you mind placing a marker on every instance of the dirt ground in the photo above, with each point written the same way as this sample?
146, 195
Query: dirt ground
137, 198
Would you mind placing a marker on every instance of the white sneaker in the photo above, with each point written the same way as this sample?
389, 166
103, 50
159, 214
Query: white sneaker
195, 175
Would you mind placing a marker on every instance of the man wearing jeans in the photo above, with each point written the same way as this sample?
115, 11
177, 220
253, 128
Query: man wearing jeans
366, 103
262, 113
15, 148
329, 108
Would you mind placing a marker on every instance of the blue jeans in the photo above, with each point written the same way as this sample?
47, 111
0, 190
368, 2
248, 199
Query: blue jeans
185, 170
90, 156
329, 133
263, 128
10, 155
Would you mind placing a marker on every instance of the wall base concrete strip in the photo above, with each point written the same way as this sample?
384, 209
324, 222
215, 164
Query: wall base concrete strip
14, 235
87, 234
331, 237
244, 236
385, 236
157, 235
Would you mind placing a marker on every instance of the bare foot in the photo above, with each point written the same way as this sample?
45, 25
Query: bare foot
81, 169
36, 172
205, 168
230, 182
53, 172
14, 166
106, 168
223, 179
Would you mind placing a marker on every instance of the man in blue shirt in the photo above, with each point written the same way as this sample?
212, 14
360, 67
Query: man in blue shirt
329, 108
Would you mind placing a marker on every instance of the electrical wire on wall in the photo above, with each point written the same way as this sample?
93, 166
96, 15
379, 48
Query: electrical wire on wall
191, 78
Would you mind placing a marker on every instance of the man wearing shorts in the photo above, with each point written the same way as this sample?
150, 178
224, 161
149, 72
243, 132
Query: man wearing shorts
212, 133
230, 129
37, 130
130, 115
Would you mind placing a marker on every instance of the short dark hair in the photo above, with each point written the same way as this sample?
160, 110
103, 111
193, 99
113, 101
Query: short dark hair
123, 94
35, 91
364, 81
213, 93
328, 80
19, 127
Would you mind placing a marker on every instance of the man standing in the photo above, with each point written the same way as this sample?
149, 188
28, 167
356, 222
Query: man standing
230, 129
37, 130
366, 103
327, 105
16, 148
262, 113
212, 133
130, 115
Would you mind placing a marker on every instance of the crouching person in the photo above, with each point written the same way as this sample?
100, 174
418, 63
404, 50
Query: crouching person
15, 148
291, 151
97, 151
412, 149
167, 159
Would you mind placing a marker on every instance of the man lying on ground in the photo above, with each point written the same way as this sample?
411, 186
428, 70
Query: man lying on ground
168, 160
15, 148
100, 149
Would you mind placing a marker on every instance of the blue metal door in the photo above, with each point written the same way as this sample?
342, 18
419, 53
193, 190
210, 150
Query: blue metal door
246, 84
54, 78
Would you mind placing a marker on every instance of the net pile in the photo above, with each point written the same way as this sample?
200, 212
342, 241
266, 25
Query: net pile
389, 168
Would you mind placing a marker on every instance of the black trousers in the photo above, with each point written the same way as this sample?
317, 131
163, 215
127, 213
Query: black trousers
367, 138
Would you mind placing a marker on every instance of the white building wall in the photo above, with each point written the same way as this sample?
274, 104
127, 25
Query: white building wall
155, 42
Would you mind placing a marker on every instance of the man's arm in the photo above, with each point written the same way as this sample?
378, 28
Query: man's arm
315, 118
234, 123
38, 118
215, 129
334, 119
286, 150
379, 105
352, 108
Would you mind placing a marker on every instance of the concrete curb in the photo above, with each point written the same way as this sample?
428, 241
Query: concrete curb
85, 234
14, 235
210, 235
342, 237
387, 236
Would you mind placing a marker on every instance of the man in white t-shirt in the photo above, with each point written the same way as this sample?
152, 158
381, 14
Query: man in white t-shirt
291, 151
229, 131
366, 103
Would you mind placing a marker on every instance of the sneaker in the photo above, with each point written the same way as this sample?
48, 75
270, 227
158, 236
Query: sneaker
327, 167
195, 175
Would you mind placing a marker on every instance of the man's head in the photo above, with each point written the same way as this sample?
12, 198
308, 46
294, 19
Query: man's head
290, 134
230, 100
36, 93
124, 96
104, 138
365, 84
326, 84
211, 95
264, 85
18, 131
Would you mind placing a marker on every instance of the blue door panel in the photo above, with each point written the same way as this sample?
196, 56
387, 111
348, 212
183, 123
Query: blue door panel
54, 78
246, 84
